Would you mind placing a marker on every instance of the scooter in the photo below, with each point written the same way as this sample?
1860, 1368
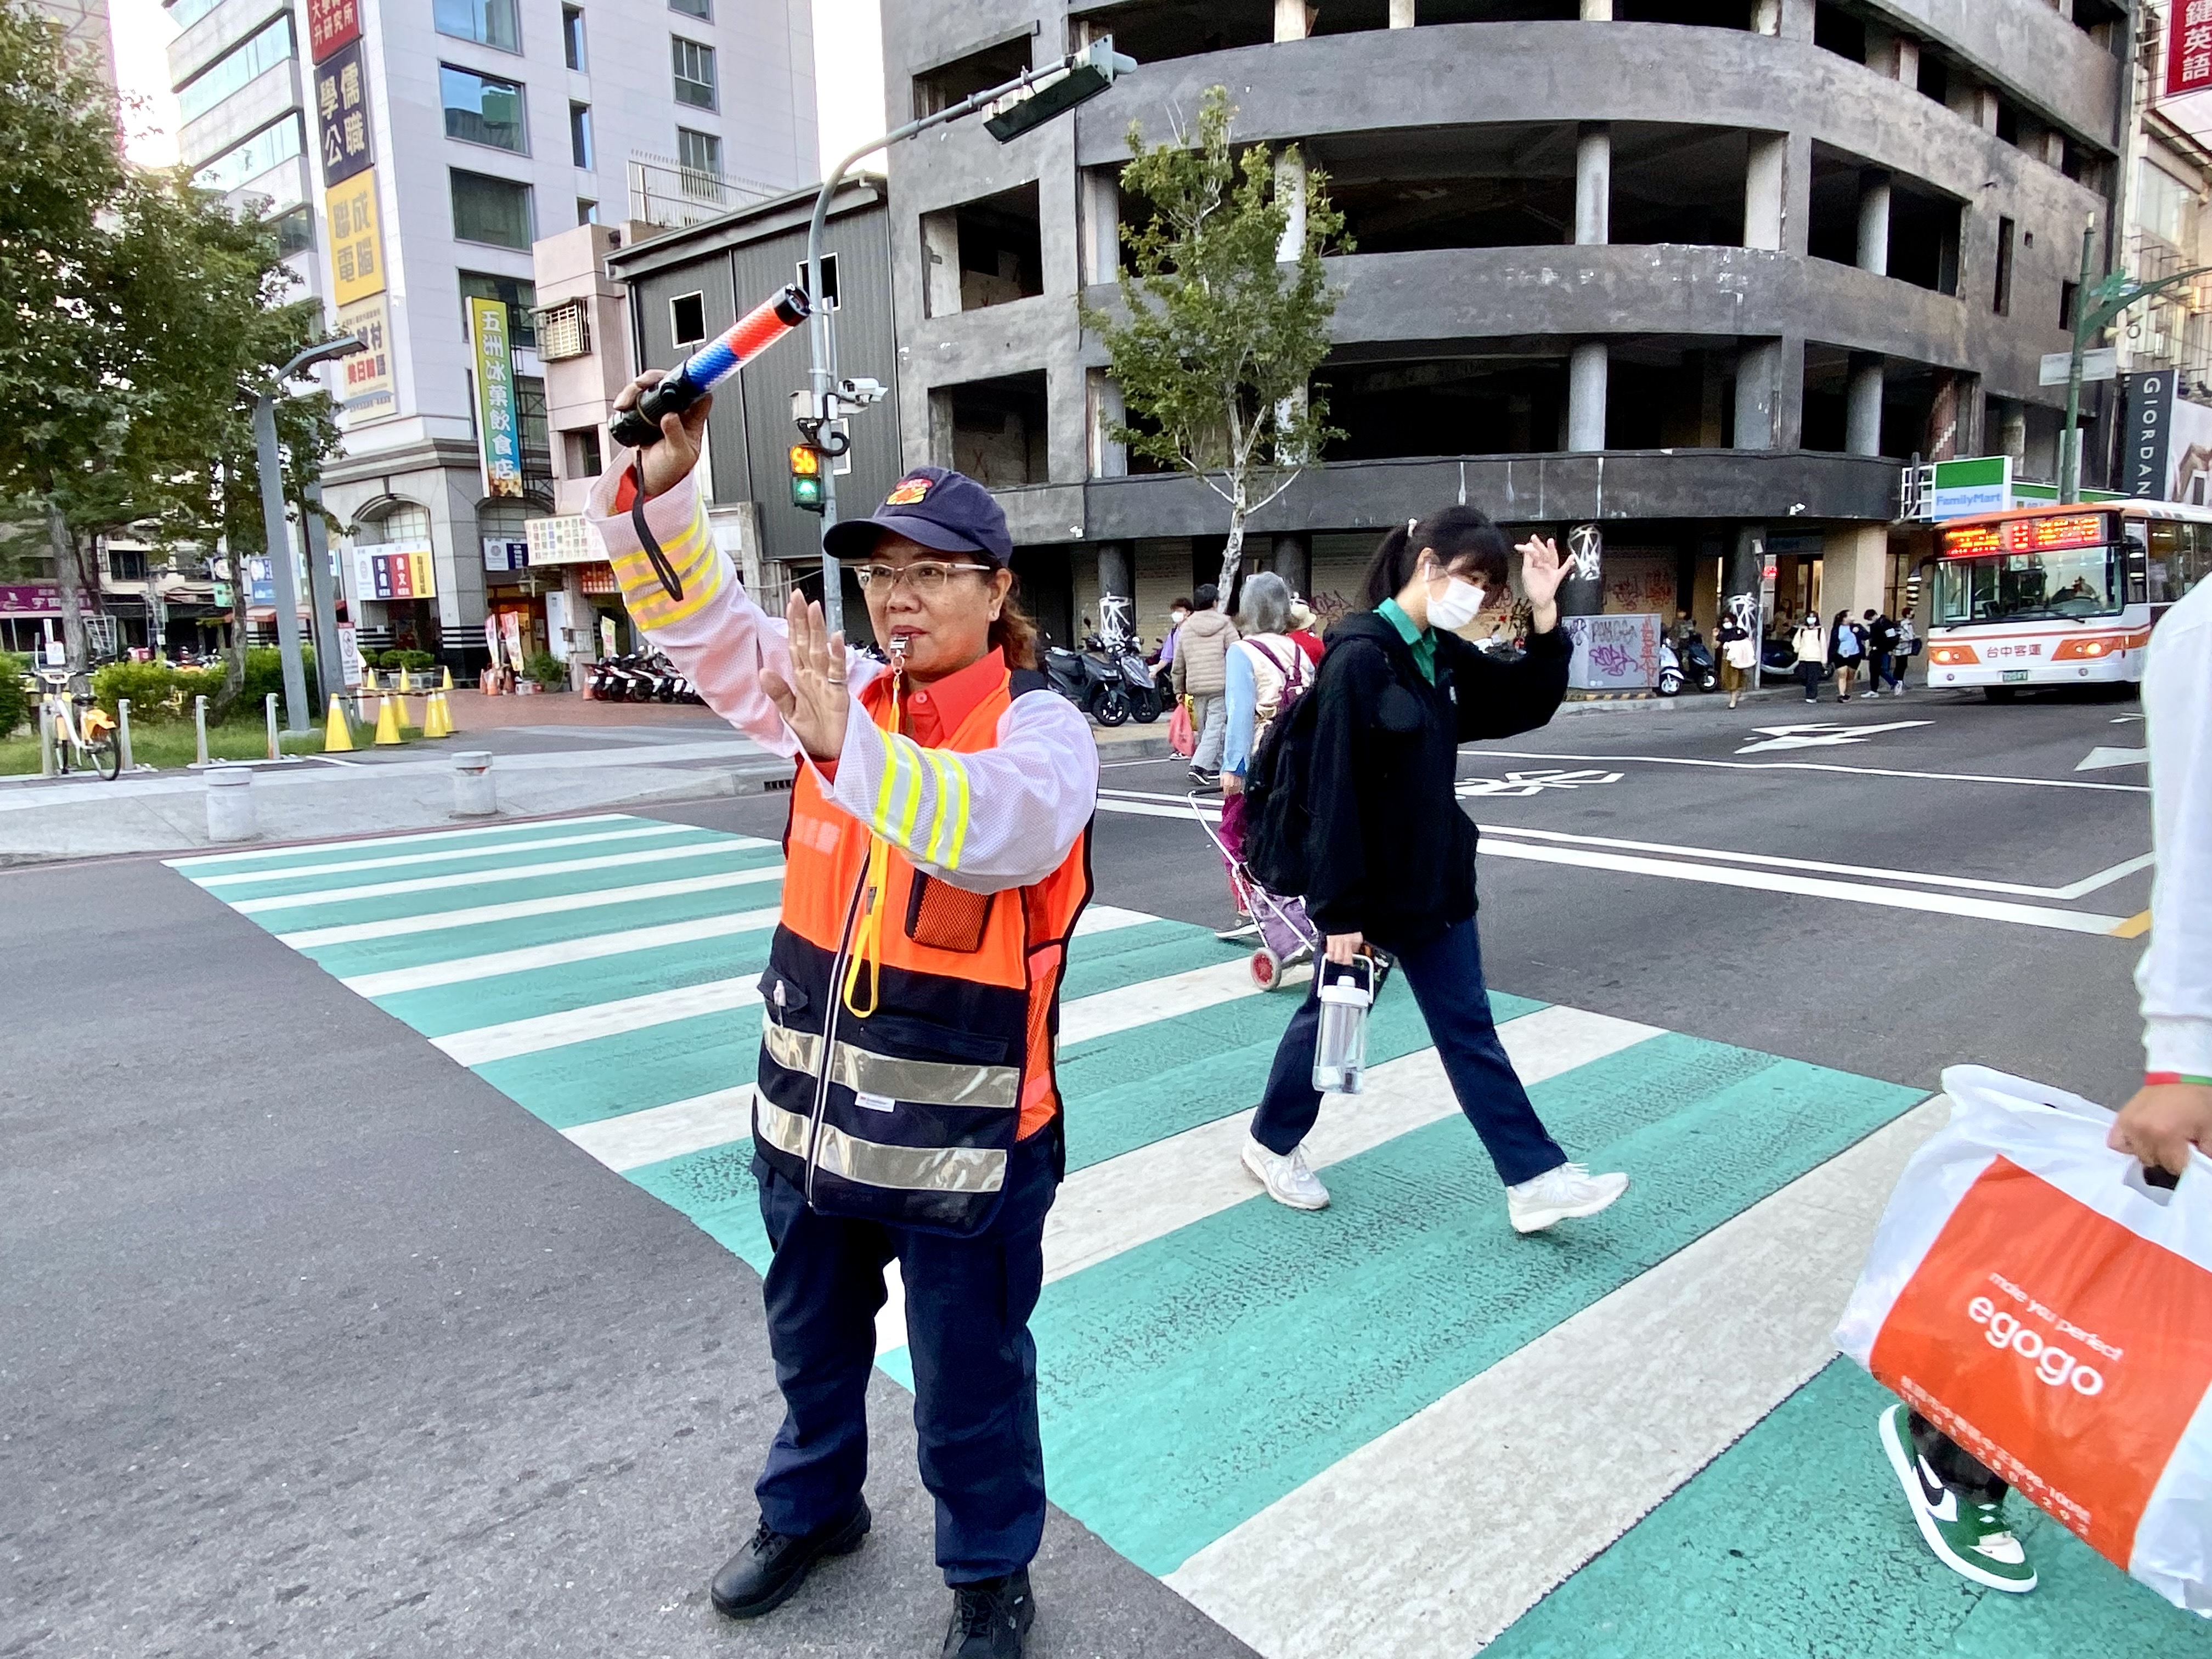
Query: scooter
1696, 662
1121, 647
1089, 682
1670, 672
1127, 691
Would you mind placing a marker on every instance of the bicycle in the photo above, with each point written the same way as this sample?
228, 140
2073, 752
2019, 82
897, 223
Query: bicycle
85, 735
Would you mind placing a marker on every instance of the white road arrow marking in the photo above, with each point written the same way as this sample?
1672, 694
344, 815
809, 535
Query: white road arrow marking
2100, 757
1821, 734
1532, 783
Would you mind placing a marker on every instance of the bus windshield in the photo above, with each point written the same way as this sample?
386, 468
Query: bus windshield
2082, 581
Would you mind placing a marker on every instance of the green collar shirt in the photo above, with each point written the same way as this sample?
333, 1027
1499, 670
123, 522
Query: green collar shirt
1422, 640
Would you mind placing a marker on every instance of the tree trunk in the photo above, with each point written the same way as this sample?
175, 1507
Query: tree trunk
234, 659
1232, 558
69, 576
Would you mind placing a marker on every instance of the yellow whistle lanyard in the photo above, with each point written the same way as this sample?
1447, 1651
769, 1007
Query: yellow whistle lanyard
867, 946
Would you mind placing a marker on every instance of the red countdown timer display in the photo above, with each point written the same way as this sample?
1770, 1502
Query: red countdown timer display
2052, 535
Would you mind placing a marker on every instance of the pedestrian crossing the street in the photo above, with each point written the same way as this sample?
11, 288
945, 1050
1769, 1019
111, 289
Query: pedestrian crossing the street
1391, 1427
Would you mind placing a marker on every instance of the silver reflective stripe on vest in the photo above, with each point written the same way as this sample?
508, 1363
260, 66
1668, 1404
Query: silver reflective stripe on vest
920, 1082
872, 1163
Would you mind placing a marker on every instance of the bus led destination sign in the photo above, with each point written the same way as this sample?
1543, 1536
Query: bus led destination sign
2051, 535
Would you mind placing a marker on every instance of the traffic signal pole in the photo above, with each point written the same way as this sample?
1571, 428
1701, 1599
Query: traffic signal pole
1070, 81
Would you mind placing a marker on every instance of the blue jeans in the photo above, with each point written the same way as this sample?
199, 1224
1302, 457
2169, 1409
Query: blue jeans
968, 1306
1446, 975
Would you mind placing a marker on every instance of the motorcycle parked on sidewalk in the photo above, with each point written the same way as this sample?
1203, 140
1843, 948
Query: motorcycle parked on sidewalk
1696, 663
1089, 681
1118, 642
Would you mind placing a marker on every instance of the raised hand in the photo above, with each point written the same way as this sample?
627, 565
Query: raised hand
1541, 572
812, 701
677, 451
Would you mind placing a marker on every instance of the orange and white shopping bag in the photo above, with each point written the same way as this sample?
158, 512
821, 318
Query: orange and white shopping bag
2034, 1297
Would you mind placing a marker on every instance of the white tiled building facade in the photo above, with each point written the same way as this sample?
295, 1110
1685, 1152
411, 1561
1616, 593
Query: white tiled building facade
481, 125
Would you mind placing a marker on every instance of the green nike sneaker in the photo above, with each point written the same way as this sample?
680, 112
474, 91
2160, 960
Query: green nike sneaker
1969, 1537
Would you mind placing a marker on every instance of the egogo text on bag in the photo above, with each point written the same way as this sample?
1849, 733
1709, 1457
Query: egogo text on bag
2035, 1298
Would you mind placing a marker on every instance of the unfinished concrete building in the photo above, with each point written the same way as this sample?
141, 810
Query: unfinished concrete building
1704, 272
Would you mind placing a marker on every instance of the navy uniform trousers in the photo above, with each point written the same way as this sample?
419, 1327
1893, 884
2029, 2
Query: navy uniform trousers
968, 1306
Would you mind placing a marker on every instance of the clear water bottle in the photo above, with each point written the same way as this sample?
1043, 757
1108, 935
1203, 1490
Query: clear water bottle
1347, 992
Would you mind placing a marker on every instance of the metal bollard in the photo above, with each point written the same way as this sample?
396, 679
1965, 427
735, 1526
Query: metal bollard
199, 727
475, 794
122, 733
230, 810
47, 766
269, 705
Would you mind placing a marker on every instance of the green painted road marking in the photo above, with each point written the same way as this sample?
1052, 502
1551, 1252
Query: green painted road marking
715, 1190
610, 1076
327, 851
376, 908
444, 944
460, 861
443, 1010
1130, 956
1795, 1544
1194, 1379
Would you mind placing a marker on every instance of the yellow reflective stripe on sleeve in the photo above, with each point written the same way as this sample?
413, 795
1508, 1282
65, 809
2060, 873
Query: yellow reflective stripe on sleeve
885, 791
943, 764
698, 567
922, 763
959, 841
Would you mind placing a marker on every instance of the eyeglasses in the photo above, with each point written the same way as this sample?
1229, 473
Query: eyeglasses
926, 577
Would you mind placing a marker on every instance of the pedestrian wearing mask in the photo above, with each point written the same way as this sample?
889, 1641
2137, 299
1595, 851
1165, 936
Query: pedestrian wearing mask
905, 1107
1881, 651
1201, 673
1810, 642
1390, 853
1847, 649
1739, 655
1178, 614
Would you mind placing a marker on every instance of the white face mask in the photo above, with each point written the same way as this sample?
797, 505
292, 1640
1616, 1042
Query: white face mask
1460, 605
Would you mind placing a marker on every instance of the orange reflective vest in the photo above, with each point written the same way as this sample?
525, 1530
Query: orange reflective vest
905, 1113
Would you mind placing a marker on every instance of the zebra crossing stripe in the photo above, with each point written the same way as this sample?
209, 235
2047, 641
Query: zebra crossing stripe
1464, 1515
1151, 1191
383, 890
274, 859
539, 1032
432, 975
660, 1132
481, 916
397, 860
1088, 1018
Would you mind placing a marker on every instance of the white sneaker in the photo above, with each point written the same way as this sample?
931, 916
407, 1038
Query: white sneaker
1286, 1177
1870, 694
1560, 1195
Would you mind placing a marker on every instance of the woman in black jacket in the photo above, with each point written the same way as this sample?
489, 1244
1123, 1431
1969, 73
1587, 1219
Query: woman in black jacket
1391, 855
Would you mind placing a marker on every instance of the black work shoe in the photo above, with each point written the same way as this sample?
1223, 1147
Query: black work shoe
761, 1576
991, 1617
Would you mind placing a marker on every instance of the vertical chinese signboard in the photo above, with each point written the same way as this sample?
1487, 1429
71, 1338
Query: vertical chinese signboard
353, 227
2189, 47
331, 24
499, 432
342, 114
366, 389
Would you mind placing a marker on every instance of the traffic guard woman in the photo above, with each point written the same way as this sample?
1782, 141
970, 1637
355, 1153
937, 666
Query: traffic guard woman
937, 860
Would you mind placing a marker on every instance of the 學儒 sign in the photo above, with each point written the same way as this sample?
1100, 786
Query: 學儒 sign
341, 115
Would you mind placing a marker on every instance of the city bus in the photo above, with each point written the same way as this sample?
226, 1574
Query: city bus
2058, 595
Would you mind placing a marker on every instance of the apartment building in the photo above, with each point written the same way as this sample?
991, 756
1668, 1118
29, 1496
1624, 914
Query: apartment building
415, 149
1705, 274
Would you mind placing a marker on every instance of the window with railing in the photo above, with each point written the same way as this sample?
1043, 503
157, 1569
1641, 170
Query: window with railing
259, 54
698, 158
564, 330
692, 65
520, 297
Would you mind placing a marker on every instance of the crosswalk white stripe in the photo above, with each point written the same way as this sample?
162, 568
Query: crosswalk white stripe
491, 849
1107, 918
256, 907
430, 975
356, 932
1166, 997
636, 1138
1775, 881
539, 1032
1149, 1193
415, 838
1462, 1516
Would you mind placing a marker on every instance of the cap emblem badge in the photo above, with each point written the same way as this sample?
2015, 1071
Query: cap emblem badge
907, 491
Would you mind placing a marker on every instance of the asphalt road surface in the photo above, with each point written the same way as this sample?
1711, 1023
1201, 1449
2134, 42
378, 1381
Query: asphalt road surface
317, 1343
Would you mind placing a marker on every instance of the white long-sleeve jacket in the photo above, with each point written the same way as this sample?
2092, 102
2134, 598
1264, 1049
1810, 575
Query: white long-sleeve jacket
2175, 974
1001, 818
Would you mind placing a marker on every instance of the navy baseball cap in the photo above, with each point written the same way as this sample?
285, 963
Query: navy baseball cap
939, 508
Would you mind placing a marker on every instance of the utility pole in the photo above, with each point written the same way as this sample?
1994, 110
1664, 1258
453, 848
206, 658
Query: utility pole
298, 717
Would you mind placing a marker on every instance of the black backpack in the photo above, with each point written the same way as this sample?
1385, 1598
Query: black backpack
1276, 813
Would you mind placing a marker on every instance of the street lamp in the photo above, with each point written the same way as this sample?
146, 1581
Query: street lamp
1054, 89
296, 715
2094, 310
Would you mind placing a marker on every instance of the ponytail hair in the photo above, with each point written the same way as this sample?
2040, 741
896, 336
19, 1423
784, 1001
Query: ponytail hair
1014, 633
1462, 537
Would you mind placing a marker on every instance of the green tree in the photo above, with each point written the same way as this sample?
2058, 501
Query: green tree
1226, 314
142, 314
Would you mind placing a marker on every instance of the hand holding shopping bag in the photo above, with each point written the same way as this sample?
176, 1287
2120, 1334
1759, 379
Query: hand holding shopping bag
2034, 1297
1182, 736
